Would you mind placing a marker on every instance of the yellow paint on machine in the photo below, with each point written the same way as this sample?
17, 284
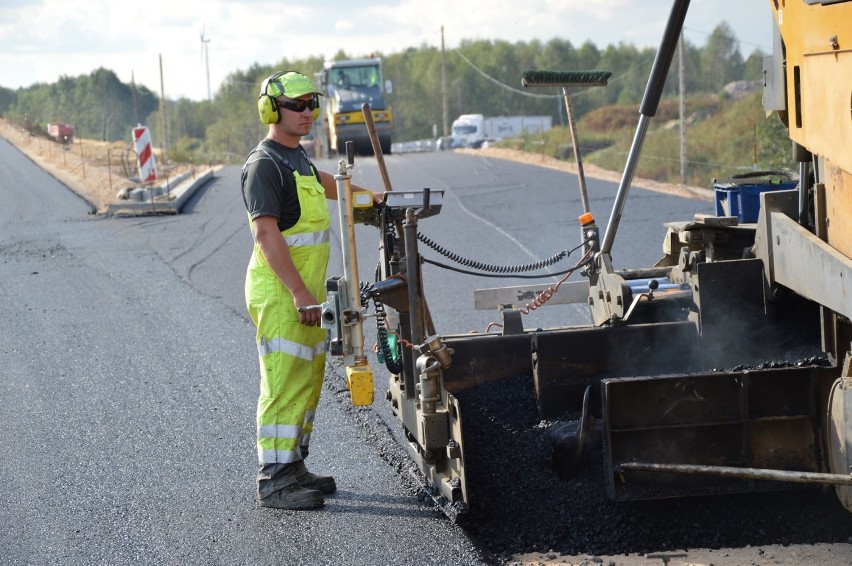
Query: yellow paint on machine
818, 59
358, 117
359, 379
818, 48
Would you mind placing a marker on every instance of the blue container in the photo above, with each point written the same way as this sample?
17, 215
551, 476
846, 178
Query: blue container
740, 195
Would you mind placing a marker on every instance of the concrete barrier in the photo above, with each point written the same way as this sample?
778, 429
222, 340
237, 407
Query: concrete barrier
168, 198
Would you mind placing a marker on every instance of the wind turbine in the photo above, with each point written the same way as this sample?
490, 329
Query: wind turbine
204, 43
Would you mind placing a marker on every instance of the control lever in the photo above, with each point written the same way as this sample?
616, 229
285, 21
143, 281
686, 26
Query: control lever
350, 153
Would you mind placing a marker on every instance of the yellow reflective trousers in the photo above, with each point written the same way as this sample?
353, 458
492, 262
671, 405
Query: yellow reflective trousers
292, 355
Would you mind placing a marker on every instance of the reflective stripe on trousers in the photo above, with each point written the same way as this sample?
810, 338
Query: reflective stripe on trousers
292, 355
290, 434
283, 401
282, 441
289, 347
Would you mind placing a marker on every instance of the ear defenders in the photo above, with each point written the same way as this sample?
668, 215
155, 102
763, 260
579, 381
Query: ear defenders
267, 106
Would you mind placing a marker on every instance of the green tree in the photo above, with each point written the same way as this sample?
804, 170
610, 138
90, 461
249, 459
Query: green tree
98, 105
631, 68
7, 99
753, 66
483, 76
774, 148
236, 128
721, 61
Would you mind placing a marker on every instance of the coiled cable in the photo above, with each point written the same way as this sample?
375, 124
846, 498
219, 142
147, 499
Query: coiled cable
367, 292
490, 268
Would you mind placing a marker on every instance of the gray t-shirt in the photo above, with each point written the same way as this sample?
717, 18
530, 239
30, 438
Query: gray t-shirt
269, 188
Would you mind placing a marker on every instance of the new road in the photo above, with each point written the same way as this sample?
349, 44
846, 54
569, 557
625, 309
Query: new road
129, 374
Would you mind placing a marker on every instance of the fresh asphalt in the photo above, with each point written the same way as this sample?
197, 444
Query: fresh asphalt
129, 375
128, 397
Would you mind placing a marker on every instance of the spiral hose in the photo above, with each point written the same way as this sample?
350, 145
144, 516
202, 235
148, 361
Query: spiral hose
489, 267
368, 291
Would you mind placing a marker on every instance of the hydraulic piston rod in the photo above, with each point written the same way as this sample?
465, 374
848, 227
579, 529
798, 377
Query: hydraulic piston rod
650, 101
745, 473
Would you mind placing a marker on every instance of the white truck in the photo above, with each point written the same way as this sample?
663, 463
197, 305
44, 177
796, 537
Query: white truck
472, 130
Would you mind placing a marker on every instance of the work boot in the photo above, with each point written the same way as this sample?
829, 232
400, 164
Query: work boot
312, 481
294, 496
325, 484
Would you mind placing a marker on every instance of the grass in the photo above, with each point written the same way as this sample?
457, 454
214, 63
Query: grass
724, 137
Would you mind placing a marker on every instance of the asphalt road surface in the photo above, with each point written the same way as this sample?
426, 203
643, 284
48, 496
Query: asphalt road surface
128, 395
129, 376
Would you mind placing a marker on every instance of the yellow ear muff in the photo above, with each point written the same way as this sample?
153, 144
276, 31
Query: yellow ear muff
267, 108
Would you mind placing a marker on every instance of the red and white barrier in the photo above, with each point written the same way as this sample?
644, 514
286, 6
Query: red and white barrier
144, 155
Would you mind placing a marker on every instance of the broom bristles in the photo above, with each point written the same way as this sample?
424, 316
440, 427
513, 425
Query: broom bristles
565, 78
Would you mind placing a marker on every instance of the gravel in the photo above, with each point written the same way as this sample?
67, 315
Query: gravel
519, 506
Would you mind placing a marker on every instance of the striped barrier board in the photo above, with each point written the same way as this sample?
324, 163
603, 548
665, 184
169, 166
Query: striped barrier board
144, 156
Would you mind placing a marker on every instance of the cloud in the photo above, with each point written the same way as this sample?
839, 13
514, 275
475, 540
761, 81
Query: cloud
45, 39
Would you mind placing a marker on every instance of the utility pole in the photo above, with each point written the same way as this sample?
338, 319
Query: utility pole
163, 113
204, 43
682, 112
135, 109
444, 83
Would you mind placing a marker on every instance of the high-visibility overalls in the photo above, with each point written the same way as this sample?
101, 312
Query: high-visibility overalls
292, 355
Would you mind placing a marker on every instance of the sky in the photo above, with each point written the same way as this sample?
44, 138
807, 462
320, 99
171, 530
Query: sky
43, 40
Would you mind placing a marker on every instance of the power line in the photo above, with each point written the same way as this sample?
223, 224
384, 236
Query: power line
643, 63
708, 34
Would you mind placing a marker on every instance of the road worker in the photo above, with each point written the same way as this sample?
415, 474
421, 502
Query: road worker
285, 196
343, 80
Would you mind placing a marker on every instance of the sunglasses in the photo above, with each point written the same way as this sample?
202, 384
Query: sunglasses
299, 105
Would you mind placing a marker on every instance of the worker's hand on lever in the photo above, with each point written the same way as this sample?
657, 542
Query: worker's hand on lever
309, 309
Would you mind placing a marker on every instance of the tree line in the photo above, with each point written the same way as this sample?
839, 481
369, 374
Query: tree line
482, 76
